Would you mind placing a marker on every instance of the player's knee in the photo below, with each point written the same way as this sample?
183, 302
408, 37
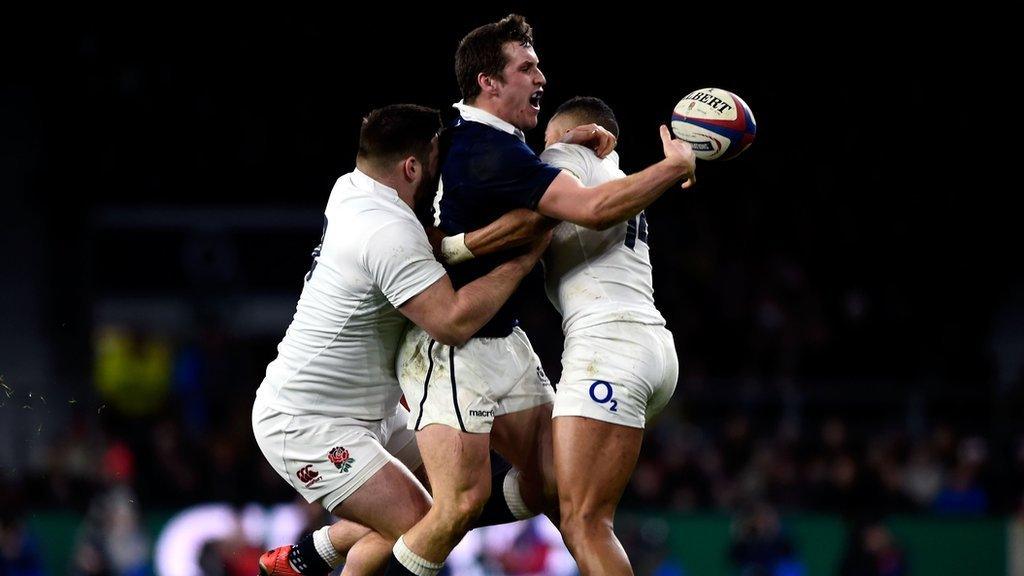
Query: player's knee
580, 523
459, 513
472, 501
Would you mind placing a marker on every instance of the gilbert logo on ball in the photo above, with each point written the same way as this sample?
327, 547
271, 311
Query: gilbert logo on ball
717, 123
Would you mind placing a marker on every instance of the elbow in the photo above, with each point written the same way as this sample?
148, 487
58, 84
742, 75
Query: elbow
450, 336
600, 216
599, 220
459, 332
535, 223
454, 340
602, 223
452, 327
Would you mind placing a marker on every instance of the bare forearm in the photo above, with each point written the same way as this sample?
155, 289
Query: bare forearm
477, 302
513, 229
617, 200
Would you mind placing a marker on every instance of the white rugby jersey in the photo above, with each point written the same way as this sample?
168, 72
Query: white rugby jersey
591, 276
338, 355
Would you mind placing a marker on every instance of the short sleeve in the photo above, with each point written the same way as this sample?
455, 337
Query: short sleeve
568, 157
397, 256
514, 175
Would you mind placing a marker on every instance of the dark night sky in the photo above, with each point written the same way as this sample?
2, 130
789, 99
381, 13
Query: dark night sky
859, 172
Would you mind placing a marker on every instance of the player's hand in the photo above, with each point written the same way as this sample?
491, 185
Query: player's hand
592, 136
681, 155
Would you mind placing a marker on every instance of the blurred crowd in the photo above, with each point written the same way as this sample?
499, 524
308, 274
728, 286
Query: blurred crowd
744, 464
688, 463
688, 467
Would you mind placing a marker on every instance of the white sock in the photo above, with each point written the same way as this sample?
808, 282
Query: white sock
413, 562
513, 498
322, 543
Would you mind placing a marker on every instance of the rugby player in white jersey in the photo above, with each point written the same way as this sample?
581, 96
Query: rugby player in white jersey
619, 365
327, 416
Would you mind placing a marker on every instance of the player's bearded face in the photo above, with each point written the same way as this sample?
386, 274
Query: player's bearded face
427, 185
520, 87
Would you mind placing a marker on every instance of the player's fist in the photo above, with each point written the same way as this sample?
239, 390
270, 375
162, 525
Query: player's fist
681, 155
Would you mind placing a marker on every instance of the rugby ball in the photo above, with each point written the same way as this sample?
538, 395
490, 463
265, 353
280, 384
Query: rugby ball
717, 123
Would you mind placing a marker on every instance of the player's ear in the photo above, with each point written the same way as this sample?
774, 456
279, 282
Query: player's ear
487, 83
411, 168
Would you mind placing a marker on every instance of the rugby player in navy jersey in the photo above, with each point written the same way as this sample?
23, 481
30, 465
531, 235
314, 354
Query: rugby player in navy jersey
491, 391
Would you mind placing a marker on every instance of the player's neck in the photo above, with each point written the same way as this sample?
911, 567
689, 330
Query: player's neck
390, 179
490, 105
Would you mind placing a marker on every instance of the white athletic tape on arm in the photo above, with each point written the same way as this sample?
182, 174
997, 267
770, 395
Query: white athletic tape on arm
454, 249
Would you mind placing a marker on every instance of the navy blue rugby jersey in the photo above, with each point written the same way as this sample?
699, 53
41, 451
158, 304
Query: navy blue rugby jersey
485, 173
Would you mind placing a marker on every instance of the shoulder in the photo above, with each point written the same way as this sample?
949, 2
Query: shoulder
488, 153
579, 160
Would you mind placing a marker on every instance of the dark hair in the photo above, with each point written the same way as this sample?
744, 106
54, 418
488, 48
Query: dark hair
398, 131
480, 52
587, 110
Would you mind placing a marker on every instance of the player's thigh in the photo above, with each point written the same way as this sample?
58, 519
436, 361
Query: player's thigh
593, 462
524, 439
457, 463
522, 423
328, 459
390, 502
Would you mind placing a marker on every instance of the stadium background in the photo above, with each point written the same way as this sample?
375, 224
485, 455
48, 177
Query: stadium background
848, 315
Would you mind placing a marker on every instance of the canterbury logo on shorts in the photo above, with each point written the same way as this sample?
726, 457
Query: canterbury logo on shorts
308, 475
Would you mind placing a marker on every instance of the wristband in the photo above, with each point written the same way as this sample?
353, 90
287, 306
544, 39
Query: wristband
454, 249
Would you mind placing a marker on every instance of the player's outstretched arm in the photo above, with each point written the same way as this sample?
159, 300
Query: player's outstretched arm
515, 228
451, 317
601, 207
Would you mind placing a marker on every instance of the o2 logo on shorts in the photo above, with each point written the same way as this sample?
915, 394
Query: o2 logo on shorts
601, 392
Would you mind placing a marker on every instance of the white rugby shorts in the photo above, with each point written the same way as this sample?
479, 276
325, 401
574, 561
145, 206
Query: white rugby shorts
465, 387
618, 372
326, 458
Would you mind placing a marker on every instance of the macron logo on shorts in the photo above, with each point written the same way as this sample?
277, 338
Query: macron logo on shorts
482, 413
308, 475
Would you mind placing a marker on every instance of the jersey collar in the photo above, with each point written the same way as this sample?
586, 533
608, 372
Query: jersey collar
365, 182
474, 114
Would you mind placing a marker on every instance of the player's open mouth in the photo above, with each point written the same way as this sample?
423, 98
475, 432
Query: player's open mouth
535, 99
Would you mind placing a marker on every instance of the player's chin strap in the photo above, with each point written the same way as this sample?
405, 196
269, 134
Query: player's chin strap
454, 249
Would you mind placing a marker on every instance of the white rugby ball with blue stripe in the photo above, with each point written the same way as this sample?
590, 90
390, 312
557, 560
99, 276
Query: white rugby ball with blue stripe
717, 123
